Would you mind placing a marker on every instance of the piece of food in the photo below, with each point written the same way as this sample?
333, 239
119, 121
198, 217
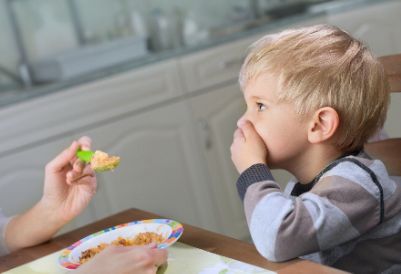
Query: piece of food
143, 238
101, 161
85, 155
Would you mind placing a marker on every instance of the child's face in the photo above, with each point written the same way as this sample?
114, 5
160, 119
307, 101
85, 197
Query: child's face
277, 123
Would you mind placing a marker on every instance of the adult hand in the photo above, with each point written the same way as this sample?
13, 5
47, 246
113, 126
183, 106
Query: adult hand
125, 260
62, 200
248, 147
67, 191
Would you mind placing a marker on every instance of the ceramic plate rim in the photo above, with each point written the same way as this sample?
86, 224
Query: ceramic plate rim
176, 232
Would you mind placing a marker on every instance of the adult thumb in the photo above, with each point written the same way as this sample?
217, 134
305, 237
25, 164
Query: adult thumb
64, 158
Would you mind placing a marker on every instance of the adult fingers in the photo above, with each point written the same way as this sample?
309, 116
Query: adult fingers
159, 256
88, 169
151, 245
84, 178
85, 142
78, 166
63, 159
73, 176
147, 255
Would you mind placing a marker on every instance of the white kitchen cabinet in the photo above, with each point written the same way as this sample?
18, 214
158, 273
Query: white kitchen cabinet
160, 169
215, 117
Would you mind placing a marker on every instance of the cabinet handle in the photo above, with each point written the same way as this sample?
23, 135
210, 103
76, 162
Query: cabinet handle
205, 133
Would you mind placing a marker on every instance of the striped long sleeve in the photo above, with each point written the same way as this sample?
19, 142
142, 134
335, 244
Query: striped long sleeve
343, 207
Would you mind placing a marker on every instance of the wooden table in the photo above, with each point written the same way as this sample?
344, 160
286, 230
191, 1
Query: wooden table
193, 236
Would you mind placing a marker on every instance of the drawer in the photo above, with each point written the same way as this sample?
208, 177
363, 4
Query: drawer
213, 66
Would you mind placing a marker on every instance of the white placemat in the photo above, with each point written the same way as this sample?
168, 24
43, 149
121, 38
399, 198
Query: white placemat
182, 259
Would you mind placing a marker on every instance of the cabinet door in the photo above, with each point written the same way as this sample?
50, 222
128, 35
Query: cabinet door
159, 169
216, 114
22, 178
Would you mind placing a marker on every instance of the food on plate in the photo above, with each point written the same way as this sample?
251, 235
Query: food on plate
143, 238
161, 232
101, 161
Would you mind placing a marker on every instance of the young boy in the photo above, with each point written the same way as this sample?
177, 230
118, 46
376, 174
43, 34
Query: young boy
314, 96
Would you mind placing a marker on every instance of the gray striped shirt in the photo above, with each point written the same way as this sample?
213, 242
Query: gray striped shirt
349, 219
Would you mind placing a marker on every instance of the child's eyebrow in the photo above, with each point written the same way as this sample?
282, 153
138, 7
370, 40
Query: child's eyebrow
256, 97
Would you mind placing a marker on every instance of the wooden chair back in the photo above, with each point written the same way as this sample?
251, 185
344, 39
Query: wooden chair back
392, 66
389, 150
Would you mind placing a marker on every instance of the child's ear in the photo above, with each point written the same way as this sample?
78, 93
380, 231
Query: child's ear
323, 125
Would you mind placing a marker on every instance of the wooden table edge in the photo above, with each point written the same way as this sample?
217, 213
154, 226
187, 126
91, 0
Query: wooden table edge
194, 236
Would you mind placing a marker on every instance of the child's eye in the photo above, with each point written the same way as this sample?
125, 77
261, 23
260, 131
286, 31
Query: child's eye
261, 107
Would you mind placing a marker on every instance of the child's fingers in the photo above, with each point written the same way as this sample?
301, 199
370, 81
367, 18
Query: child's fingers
238, 134
63, 159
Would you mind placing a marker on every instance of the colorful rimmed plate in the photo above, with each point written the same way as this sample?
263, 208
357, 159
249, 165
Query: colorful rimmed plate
171, 231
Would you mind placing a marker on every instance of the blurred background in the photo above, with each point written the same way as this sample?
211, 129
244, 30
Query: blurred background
37, 35
36, 31
154, 82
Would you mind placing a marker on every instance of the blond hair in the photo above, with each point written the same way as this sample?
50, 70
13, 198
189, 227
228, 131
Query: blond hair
322, 66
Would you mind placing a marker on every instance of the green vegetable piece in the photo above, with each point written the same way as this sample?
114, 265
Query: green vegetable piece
85, 155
